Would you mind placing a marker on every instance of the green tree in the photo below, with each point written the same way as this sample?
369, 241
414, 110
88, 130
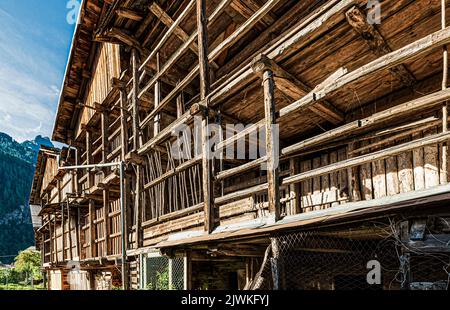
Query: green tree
29, 262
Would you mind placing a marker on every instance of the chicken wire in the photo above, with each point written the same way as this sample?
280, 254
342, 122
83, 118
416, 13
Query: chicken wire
163, 273
315, 261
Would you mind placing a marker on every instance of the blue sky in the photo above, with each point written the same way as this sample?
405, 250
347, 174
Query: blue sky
35, 40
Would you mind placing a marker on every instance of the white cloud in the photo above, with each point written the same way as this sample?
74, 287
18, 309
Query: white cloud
29, 73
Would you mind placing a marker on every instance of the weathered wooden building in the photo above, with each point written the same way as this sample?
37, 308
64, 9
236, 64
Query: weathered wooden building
339, 159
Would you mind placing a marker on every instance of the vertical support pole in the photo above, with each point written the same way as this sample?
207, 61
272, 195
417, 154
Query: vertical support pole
157, 95
275, 264
171, 274
106, 219
63, 224
135, 100
271, 144
78, 232
353, 186
444, 163
136, 145
92, 247
90, 180
70, 230
50, 240
123, 123
187, 271
294, 189
138, 205
261, 64
123, 225
208, 192
105, 144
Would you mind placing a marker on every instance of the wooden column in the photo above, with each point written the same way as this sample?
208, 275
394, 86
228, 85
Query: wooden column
89, 141
208, 193
123, 123
294, 189
444, 163
63, 224
70, 230
105, 144
135, 100
92, 247
106, 219
124, 152
262, 65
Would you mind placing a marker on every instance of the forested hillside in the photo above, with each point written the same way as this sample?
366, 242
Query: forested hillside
16, 174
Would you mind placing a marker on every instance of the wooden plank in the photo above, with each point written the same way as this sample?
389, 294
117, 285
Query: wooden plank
306, 186
431, 161
379, 176
387, 61
418, 165
179, 32
397, 111
376, 156
334, 178
393, 172
366, 178
405, 170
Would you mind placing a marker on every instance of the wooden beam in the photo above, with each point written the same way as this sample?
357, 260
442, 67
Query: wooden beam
398, 111
167, 35
359, 160
294, 88
390, 60
135, 99
175, 56
272, 139
377, 44
299, 34
207, 178
178, 31
129, 14
239, 33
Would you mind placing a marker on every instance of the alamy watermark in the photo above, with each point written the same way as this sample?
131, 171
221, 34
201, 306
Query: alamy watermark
374, 12
74, 8
373, 277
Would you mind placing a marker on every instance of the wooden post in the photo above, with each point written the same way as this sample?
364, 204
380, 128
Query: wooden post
92, 247
202, 22
187, 271
106, 219
156, 123
90, 180
261, 64
135, 100
63, 224
294, 189
70, 230
123, 123
444, 163
78, 232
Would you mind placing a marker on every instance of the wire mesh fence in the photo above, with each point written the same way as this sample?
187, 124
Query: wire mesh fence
164, 273
317, 260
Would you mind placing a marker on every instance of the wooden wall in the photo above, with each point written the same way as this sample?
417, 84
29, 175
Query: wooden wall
107, 67
409, 171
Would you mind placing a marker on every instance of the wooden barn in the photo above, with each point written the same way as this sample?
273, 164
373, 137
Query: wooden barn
249, 144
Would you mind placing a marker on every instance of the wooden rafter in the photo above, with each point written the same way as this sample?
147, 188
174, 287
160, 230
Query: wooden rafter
294, 88
378, 45
178, 31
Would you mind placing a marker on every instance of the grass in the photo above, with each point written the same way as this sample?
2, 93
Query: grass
20, 287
